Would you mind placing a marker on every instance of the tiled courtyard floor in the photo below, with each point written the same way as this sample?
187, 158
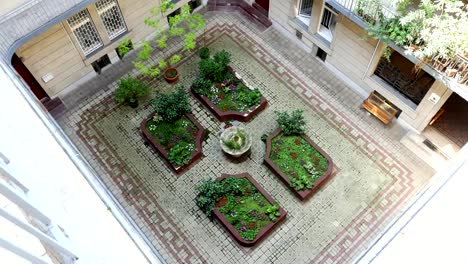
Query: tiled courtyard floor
375, 175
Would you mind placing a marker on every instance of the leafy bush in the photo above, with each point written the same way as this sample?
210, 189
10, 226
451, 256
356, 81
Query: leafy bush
250, 97
202, 86
204, 53
302, 182
171, 106
215, 68
211, 191
273, 211
129, 90
222, 58
291, 124
264, 137
181, 154
124, 47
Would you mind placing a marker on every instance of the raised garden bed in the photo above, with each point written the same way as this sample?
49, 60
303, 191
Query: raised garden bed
244, 214
294, 156
227, 105
165, 136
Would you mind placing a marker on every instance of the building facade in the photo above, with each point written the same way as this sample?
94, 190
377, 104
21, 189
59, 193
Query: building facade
334, 32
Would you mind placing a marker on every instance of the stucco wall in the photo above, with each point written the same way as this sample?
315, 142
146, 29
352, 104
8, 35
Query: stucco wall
352, 50
56, 52
352, 53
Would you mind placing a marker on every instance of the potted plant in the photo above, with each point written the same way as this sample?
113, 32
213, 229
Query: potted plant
129, 90
235, 141
124, 48
182, 25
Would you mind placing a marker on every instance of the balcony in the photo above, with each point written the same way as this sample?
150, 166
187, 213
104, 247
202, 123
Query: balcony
370, 12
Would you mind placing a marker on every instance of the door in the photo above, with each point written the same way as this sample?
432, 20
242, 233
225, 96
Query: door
28, 77
265, 4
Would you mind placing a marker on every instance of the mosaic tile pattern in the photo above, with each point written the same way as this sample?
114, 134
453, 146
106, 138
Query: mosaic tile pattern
374, 178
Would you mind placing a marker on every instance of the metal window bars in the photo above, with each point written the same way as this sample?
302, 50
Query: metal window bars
111, 17
85, 32
305, 8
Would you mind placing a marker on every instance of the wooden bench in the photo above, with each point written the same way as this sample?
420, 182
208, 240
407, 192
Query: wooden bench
380, 108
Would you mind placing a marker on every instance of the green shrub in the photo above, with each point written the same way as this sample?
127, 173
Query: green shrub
129, 90
264, 137
215, 68
171, 106
249, 97
302, 182
204, 53
202, 86
273, 212
291, 124
124, 47
222, 58
181, 154
211, 191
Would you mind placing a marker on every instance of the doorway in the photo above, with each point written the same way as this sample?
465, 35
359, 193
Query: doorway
264, 4
27, 76
451, 120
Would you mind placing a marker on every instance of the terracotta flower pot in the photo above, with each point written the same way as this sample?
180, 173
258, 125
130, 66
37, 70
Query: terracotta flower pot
171, 75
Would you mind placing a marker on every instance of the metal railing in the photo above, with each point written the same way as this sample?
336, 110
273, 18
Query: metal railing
373, 11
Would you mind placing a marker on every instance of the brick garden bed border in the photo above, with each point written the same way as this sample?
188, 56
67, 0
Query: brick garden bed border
196, 155
303, 194
266, 230
231, 115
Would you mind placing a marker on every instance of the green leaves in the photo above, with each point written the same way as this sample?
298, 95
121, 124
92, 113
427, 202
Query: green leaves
291, 123
171, 106
129, 90
273, 212
181, 153
184, 24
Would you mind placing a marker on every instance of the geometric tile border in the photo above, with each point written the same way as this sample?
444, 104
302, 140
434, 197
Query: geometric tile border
343, 246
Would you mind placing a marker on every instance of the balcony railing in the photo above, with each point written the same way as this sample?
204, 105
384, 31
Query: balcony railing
372, 12
31, 16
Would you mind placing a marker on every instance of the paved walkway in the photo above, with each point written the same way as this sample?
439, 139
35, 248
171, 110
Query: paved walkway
375, 175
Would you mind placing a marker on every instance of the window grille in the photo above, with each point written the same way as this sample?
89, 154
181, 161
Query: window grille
111, 17
85, 32
305, 8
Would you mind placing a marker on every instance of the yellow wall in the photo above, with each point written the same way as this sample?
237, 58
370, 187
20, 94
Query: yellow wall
55, 51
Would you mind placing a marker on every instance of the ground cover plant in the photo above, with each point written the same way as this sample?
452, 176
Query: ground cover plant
222, 86
239, 201
171, 129
298, 159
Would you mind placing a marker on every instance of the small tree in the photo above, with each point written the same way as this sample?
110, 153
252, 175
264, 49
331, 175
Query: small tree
183, 25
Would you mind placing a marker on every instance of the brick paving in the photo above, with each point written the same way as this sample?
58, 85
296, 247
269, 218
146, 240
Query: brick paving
375, 176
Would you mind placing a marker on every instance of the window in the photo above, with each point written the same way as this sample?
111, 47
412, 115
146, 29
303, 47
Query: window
328, 22
111, 17
100, 63
400, 73
85, 32
305, 8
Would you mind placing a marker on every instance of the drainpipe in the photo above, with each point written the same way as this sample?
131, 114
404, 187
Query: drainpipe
371, 60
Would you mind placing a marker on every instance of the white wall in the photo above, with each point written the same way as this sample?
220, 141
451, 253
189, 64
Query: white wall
57, 186
434, 229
